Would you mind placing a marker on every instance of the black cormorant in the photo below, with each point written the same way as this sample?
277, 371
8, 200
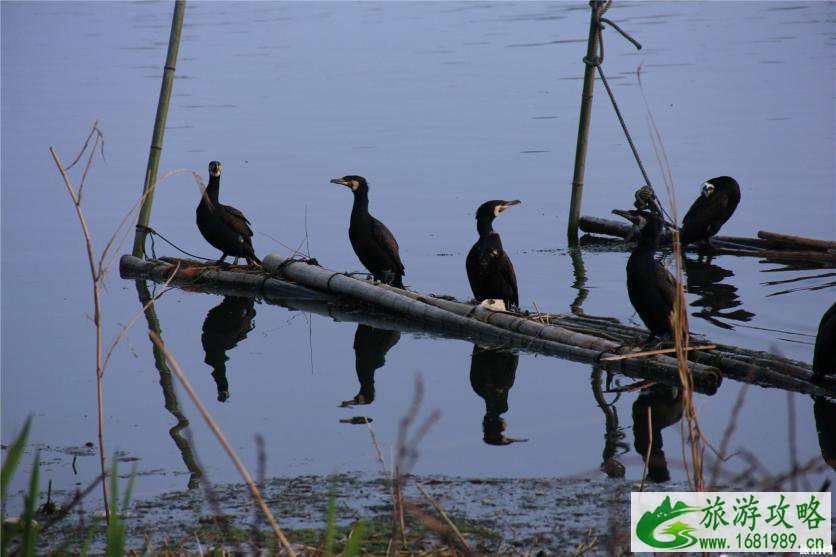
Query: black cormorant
225, 326
717, 202
373, 243
665, 405
489, 269
370, 348
652, 289
824, 354
223, 226
492, 374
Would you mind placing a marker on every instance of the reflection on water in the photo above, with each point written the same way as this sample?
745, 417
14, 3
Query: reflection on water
370, 348
225, 326
492, 374
614, 444
714, 296
664, 405
169, 394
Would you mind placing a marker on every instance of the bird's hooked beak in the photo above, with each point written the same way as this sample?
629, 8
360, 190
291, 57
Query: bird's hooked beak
506, 204
351, 184
633, 216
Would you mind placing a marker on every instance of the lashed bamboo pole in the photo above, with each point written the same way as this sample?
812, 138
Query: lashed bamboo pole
583, 122
159, 126
513, 331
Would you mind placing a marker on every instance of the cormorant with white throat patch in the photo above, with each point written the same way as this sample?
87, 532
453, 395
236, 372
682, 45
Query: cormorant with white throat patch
711, 210
373, 243
223, 226
489, 268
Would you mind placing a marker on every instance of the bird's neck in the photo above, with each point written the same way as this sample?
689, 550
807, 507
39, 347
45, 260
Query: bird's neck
647, 246
361, 203
484, 226
213, 188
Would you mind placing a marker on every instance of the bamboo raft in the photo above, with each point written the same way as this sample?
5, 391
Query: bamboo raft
768, 245
305, 286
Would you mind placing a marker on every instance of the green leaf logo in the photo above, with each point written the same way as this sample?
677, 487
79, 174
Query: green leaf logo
680, 531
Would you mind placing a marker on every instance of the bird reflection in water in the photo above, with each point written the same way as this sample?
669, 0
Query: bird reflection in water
225, 326
492, 374
664, 403
714, 297
370, 348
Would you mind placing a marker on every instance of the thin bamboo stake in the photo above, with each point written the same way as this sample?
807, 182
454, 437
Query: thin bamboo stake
159, 126
222, 439
656, 352
583, 122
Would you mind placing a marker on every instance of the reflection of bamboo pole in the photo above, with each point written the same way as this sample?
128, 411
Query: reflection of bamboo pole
169, 396
159, 126
583, 123
213, 425
579, 272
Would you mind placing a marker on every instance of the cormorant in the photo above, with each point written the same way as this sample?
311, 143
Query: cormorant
665, 405
824, 354
652, 289
225, 326
373, 243
370, 348
492, 375
710, 211
489, 269
223, 226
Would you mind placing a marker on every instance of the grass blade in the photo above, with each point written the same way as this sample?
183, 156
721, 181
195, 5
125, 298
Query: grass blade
352, 547
30, 528
13, 458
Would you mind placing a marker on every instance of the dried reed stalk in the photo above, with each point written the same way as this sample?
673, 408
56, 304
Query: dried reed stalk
210, 421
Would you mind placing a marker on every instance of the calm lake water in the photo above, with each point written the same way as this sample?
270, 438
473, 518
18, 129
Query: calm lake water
441, 106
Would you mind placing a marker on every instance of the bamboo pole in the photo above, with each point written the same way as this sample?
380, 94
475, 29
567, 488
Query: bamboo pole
583, 122
159, 127
540, 333
796, 242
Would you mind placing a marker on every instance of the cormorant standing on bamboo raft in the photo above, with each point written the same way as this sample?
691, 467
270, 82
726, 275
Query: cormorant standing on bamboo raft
824, 353
223, 226
373, 243
824, 363
652, 289
489, 268
714, 206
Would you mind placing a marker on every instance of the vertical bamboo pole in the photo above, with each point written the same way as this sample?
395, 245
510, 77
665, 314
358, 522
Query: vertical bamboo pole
159, 126
583, 125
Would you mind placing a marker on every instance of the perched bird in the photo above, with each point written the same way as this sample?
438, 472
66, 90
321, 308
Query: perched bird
370, 348
824, 354
652, 289
373, 243
223, 226
710, 211
489, 269
225, 326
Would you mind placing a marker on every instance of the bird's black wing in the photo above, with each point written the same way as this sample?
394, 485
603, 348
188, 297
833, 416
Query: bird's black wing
386, 240
509, 276
706, 215
665, 285
236, 220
